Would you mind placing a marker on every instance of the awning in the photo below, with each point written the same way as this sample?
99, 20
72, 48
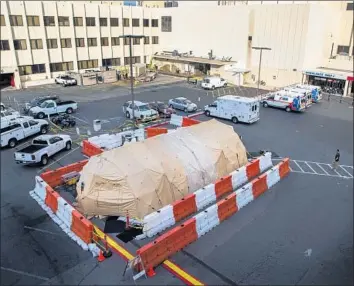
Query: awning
329, 73
350, 78
192, 60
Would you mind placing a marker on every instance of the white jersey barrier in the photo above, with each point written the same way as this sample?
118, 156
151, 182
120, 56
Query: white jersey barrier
170, 214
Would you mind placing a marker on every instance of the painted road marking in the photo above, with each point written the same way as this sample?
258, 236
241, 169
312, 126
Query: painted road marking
319, 165
42, 230
298, 166
80, 119
343, 168
25, 273
169, 265
310, 168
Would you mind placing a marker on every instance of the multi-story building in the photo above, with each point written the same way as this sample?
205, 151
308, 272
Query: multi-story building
308, 41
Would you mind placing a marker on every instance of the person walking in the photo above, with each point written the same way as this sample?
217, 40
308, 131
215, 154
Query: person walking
336, 160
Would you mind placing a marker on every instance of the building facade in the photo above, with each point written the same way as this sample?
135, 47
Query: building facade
41, 39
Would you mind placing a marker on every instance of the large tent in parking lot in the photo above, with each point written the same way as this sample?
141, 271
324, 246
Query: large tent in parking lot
142, 177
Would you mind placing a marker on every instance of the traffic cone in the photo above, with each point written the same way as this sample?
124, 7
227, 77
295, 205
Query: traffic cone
101, 257
150, 272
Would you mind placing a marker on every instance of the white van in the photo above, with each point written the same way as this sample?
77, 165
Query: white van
301, 91
213, 82
235, 108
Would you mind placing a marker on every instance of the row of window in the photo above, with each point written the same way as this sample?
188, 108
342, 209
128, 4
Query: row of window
67, 66
16, 20
37, 44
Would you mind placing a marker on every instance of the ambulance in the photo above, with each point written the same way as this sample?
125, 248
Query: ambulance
315, 91
289, 101
305, 93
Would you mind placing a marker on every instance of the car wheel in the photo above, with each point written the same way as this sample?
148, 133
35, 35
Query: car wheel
127, 115
69, 110
287, 109
171, 106
207, 113
12, 143
44, 160
234, 120
265, 104
185, 110
225, 84
213, 87
63, 85
56, 82
68, 146
44, 130
40, 115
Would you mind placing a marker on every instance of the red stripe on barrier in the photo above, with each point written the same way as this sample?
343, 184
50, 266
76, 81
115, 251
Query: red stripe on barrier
184, 207
223, 186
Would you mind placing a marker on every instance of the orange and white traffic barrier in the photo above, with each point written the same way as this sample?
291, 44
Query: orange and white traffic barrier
190, 204
157, 251
76, 226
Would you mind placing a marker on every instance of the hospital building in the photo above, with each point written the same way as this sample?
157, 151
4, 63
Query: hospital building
306, 41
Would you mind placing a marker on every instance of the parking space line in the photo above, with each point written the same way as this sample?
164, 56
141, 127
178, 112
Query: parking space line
310, 167
319, 165
80, 119
299, 166
42, 230
167, 264
346, 171
25, 273
310, 173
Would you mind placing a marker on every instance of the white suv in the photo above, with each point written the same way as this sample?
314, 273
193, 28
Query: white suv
142, 111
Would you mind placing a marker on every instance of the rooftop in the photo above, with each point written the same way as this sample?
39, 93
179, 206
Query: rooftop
191, 59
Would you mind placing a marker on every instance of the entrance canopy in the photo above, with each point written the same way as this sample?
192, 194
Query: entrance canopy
329, 73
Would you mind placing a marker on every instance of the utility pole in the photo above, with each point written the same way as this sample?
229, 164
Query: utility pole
130, 37
260, 63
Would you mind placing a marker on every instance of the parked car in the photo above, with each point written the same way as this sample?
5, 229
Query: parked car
213, 82
162, 109
65, 80
50, 107
42, 148
38, 101
286, 100
22, 128
182, 103
142, 111
8, 115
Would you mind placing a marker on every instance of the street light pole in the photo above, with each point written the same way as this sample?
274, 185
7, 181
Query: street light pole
130, 37
260, 63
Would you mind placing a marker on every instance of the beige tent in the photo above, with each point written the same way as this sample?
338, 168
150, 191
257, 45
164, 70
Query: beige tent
142, 177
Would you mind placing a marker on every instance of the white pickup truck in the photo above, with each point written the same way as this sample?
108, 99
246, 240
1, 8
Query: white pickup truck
50, 107
21, 128
42, 148
65, 80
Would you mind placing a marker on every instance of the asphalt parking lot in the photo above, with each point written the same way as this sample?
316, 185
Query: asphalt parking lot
299, 232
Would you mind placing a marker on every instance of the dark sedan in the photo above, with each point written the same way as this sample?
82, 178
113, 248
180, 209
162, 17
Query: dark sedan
162, 109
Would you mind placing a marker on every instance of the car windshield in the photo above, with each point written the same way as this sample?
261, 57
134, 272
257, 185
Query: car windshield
44, 104
144, 107
162, 105
40, 142
187, 101
206, 80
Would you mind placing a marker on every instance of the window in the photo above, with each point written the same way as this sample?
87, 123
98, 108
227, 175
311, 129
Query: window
104, 41
135, 60
166, 24
11, 127
66, 66
155, 40
146, 22
2, 20
32, 20
27, 70
92, 42
4, 45
126, 41
89, 64
49, 21
78, 21
63, 21
80, 42
36, 44
114, 22
115, 41
16, 20
25, 124
125, 22
146, 40
145, 59
65, 43
103, 22
135, 22
154, 23
90, 21
136, 41
343, 50
350, 6
32, 123
52, 43
111, 62
20, 44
